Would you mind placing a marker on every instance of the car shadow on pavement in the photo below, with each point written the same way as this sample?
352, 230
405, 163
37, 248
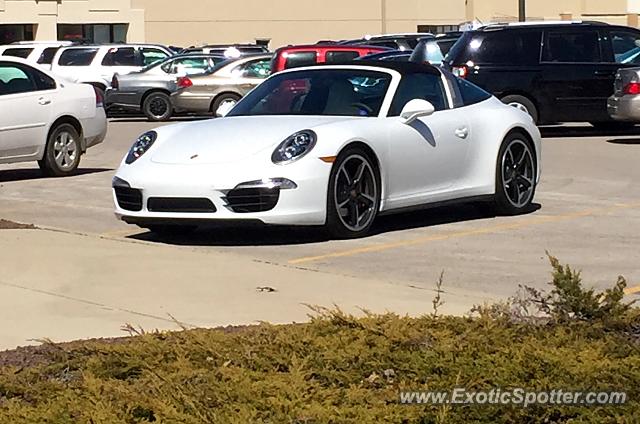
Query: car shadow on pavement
586, 131
262, 235
142, 119
11, 175
624, 141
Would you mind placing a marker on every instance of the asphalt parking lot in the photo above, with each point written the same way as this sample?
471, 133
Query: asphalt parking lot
587, 214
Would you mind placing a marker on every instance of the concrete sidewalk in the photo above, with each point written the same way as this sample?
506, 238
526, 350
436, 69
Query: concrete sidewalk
63, 287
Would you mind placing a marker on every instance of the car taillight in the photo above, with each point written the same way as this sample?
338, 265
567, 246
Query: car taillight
460, 71
99, 97
114, 82
632, 88
184, 82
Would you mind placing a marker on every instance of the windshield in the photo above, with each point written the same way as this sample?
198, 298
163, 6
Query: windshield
337, 92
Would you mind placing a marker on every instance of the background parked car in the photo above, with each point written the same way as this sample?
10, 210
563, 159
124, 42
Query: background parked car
149, 89
223, 87
624, 105
96, 65
447, 40
41, 53
558, 72
388, 56
230, 51
296, 56
50, 122
407, 41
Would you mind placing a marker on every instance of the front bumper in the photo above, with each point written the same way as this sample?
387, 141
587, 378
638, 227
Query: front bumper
303, 205
130, 100
625, 108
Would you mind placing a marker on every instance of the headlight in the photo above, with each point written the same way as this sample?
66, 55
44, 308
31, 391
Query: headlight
294, 147
141, 145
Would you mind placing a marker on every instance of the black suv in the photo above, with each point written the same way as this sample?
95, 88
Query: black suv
557, 72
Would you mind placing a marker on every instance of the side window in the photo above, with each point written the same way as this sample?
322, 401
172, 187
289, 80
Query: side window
120, 56
256, 69
151, 55
419, 86
187, 66
18, 52
298, 59
77, 57
506, 47
572, 47
626, 46
340, 56
471, 93
15, 80
46, 57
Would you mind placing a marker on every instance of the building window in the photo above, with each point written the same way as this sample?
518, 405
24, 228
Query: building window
93, 33
20, 32
438, 29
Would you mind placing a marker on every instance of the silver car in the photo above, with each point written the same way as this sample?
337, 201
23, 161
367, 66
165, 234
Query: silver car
223, 87
624, 105
148, 90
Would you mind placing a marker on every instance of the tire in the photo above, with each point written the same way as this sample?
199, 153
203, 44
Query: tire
521, 181
170, 229
524, 104
355, 187
62, 152
157, 107
222, 98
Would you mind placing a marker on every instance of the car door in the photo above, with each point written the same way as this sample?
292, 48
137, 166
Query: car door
25, 101
573, 79
426, 157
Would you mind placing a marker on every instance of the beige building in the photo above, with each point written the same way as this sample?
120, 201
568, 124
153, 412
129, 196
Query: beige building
189, 22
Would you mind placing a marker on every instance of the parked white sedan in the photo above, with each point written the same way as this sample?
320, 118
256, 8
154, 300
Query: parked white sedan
45, 119
334, 146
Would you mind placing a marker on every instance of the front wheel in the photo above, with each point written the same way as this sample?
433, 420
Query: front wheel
515, 176
225, 101
353, 197
62, 152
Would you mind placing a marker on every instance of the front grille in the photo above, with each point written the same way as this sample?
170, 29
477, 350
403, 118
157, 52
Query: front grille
129, 199
180, 205
248, 200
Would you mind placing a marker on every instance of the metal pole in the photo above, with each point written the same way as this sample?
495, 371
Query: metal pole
522, 10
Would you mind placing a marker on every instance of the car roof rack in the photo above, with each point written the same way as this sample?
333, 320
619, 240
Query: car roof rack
500, 25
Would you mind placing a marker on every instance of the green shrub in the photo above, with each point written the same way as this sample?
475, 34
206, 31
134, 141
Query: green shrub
342, 369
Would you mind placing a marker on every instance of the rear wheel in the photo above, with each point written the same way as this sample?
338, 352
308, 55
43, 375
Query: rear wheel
523, 104
353, 197
228, 100
157, 107
515, 176
62, 153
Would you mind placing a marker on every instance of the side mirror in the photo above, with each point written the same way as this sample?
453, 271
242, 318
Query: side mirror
415, 109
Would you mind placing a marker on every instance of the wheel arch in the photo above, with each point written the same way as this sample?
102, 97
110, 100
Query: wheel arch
526, 95
222, 93
152, 91
66, 119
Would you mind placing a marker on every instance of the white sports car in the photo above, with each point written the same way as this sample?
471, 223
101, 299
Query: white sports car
335, 146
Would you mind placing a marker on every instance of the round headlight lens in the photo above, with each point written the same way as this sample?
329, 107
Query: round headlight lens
141, 145
294, 147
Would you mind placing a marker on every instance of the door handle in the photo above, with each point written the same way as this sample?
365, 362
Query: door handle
42, 101
604, 73
462, 132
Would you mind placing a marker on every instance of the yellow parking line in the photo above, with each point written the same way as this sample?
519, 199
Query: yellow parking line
632, 290
459, 234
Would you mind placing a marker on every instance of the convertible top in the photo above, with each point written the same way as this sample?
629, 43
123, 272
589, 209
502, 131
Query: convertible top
403, 68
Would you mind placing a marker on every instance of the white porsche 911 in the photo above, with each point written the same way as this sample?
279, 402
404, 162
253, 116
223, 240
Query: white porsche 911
334, 145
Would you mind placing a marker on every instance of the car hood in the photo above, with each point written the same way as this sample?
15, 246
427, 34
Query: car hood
230, 139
